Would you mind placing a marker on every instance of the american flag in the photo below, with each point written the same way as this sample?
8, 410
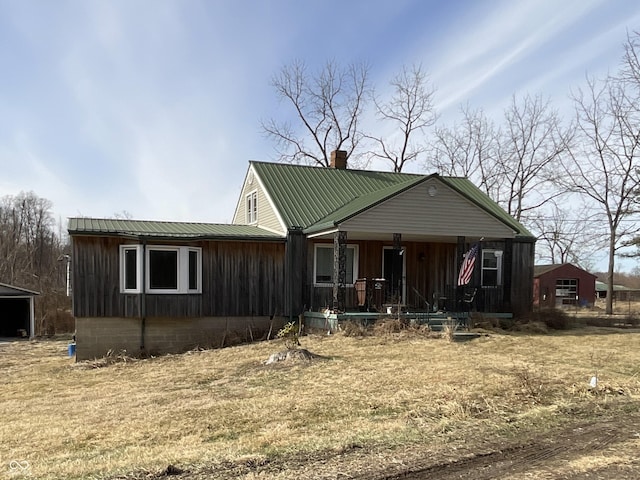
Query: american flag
466, 269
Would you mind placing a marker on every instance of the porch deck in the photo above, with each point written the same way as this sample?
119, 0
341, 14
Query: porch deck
331, 321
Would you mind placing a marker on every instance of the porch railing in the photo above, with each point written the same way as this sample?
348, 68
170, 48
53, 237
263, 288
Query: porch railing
486, 299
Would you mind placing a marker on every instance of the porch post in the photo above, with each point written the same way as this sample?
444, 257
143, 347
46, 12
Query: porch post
396, 277
339, 270
397, 241
457, 289
460, 251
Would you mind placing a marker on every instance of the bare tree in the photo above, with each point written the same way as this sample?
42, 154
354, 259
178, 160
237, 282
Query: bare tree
603, 164
566, 234
30, 251
513, 164
326, 105
467, 149
630, 71
532, 144
411, 110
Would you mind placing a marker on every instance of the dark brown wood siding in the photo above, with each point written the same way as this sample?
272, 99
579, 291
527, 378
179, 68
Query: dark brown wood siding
238, 279
521, 284
295, 272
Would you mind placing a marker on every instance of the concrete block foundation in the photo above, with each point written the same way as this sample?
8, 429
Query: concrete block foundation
97, 336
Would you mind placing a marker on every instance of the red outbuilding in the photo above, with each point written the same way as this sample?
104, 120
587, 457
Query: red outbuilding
563, 285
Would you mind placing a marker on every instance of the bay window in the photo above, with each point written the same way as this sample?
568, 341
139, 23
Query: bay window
167, 269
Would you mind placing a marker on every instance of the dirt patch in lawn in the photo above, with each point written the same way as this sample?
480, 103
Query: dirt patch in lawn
606, 449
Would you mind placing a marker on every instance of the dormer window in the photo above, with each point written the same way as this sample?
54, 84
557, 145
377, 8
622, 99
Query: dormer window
252, 207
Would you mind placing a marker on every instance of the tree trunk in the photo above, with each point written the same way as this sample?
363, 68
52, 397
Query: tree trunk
612, 241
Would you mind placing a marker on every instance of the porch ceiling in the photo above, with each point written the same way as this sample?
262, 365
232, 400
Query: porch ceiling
383, 236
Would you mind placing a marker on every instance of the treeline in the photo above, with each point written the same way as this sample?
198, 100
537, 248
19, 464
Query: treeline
33, 255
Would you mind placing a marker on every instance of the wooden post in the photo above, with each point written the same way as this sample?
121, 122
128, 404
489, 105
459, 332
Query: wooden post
339, 270
396, 275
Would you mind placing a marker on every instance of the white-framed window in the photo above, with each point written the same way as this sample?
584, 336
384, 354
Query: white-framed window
168, 269
252, 207
130, 268
323, 264
491, 268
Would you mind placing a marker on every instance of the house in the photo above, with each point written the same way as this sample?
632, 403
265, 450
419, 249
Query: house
620, 292
300, 240
563, 285
16, 311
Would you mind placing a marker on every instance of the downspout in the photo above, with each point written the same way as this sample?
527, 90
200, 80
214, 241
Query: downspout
289, 274
143, 296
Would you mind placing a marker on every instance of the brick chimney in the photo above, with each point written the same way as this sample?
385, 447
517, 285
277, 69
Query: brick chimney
339, 159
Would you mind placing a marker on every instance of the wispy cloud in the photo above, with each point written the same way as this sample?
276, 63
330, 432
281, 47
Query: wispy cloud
500, 43
154, 107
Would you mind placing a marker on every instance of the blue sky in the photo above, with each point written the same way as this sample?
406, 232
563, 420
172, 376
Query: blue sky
153, 106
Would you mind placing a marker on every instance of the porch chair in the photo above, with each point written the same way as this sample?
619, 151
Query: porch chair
467, 299
439, 301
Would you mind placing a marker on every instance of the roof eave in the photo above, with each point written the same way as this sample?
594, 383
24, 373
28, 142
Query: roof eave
20, 289
180, 238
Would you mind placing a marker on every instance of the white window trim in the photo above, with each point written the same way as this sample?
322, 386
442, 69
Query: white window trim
138, 249
198, 289
355, 248
498, 254
183, 269
251, 204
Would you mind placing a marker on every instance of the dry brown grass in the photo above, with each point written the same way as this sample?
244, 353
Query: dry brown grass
377, 392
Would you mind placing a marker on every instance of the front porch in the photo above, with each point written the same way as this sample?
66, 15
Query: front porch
364, 273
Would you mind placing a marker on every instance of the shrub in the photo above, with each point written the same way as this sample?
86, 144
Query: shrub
449, 328
553, 318
289, 334
354, 328
556, 319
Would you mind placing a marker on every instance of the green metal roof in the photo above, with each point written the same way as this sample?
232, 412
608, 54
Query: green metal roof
177, 230
317, 198
602, 287
542, 269
305, 195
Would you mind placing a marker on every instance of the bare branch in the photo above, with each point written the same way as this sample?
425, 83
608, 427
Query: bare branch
411, 110
326, 108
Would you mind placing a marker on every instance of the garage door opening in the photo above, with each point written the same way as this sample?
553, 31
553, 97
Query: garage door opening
16, 312
14, 317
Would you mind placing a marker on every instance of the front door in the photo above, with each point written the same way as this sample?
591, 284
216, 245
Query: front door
393, 268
